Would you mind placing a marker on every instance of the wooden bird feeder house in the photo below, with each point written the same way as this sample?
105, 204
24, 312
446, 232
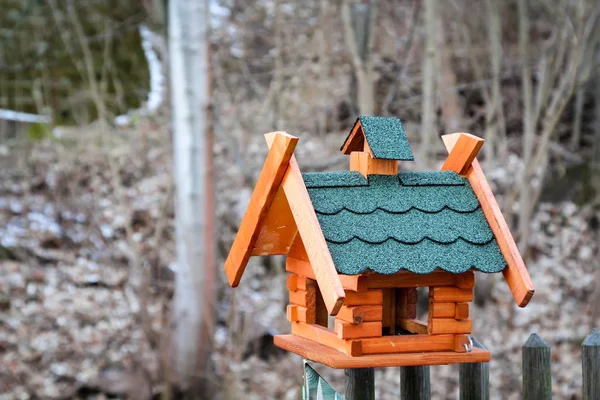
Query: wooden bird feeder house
359, 244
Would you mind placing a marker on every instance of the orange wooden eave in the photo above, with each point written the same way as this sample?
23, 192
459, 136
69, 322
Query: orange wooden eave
463, 149
281, 170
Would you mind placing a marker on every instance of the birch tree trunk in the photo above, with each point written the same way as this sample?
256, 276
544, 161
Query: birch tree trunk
428, 107
193, 311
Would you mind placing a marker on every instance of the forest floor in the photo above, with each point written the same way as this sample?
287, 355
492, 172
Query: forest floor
87, 264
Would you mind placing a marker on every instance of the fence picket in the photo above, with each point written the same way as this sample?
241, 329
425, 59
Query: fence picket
474, 379
537, 378
415, 383
360, 384
590, 360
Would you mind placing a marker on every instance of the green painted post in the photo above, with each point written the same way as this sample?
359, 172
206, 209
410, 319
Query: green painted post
415, 383
474, 379
590, 359
537, 377
360, 384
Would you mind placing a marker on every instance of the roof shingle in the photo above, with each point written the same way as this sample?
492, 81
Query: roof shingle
415, 221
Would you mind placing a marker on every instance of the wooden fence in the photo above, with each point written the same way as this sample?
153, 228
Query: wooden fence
474, 378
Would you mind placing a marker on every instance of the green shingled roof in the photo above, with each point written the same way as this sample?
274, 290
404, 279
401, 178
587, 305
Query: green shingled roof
415, 221
386, 138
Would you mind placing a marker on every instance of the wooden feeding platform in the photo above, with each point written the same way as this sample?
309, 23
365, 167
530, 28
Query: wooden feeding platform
359, 245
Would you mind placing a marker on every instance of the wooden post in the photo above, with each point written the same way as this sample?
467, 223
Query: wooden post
360, 384
590, 358
414, 383
537, 378
474, 379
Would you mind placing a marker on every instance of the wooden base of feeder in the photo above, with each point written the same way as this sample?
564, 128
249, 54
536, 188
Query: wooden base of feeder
335, 359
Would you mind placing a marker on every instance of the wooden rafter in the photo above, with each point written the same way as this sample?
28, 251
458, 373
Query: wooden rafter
312, 237
281, 150
463, 153
515, 273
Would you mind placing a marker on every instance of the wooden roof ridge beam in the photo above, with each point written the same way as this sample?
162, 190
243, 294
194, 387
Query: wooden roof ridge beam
515, 273
312, 237
281, 150
463, 153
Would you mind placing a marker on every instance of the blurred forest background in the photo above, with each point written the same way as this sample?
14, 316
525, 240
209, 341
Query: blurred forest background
91, 279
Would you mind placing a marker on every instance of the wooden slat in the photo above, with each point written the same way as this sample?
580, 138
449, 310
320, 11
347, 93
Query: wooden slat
461, 343
299, 267
466, 280
360, 314
463, 153
515, 273
407, 344
462, 311
443, 310
413, 325
312, 238
321, 316
336, 359
297, 313
389, 309
537, 369
409, 279
406, 304
356, 283
449, 325
327, 338
278, 229
359, 161
451, 295
300, 298
368, 298
347, 330
274, 170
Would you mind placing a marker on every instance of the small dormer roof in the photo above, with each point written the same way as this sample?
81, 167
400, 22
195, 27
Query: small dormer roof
385, 138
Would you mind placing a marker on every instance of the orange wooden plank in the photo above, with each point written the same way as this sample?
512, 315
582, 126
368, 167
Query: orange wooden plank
278, 229
463, 153
368, 298
360, 314
413, 325
409, 279
449, 325
327, 338
294, 282
389, 309
451, 295
299, 267
356, 283
347, 330
273, 173
296, 313
321, 316
515, 273
466, 280
462, 311
407, 344
300, 298
335, 359
461, 343
359, 162
312, 238
443, 310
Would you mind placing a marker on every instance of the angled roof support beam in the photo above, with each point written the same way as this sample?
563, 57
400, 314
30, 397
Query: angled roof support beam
463, 153
312, 237
515, 273
281, 150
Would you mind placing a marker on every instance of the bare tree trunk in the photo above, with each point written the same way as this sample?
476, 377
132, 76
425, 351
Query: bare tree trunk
359, 32
529, 125
449, 99
495, 134
193, 315
428, 106
323, 67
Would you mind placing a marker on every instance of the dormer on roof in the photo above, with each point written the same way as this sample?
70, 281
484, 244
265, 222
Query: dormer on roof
376, 144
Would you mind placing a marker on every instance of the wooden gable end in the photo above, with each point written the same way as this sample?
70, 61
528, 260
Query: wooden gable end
463, 148
280, 208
